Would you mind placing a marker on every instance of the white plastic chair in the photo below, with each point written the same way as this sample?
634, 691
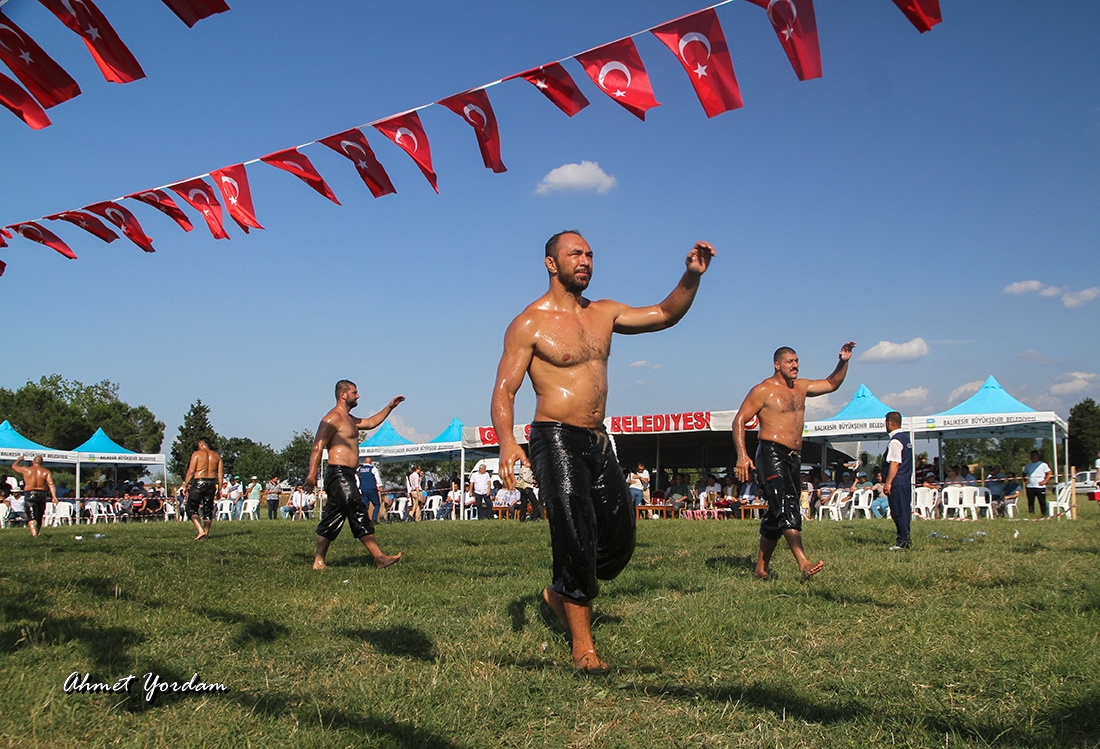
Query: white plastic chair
169, 511
983, 501
862, 502
431, 505
970, 501
834, 505
400, 507
1062, 500
1010, 508
224, 509
953, 501
4, 512
49, 516
63, 513
469, 512
250, 509
924, 502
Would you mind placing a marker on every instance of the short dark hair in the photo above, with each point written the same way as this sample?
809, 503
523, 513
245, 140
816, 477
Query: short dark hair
552, 243
893, 418
343, 386
781, 352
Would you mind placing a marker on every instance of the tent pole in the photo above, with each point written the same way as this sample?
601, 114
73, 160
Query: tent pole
1054, 450
461, 484
655, 486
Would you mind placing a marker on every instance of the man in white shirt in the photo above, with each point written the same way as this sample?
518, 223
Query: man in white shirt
638, 482
1038, 474
415, 495
479, 487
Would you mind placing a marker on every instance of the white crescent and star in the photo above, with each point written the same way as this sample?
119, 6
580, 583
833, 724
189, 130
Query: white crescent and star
471, 109
347, 146
695, 36
111, 211
402, 132
25, 54
26, 228
205, 200
151, 196
609, 67
786, 27
233, 194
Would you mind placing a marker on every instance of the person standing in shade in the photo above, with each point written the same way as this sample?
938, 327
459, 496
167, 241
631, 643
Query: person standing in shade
339, 434
370, 480
271, 492
37, 481
1038, 473
898, 485
562, 341
203, 476
481, 488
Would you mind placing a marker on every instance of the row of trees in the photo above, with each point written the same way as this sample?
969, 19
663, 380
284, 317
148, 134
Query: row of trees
241, 456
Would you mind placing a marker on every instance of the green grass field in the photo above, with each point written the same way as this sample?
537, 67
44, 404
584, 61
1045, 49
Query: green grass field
976, 637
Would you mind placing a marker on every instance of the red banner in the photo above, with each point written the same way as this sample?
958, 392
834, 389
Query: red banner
45, 79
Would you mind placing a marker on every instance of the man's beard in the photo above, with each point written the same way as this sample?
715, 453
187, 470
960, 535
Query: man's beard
353, 403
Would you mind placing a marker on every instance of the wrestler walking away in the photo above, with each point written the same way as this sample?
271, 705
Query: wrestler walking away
37, 480
339, 433
562, 341
204, 475
780, 404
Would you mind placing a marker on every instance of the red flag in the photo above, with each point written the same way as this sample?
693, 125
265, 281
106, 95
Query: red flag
233, 183
298, 164
22, 104
163, 202
36, 233
113, 57
353, 144
3, 265
698, 42
121, 217
193, 11
924, 14
407, 132
618, 70
557, 85
474, 107
4, 234
201, 197
796, 27
87, 222
45, 79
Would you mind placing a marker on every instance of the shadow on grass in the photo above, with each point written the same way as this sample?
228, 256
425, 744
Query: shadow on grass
517, 612
139, 700
834, 597
263, 630
778, 701
107, 647
367, 726
405, 642
731, 562
101, 587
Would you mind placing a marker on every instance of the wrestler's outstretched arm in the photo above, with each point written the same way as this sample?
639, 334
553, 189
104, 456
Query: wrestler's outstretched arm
836, 379
631, 320
378, 418
519, 351
750, 407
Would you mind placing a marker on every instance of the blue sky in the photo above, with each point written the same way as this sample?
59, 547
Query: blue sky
933, 197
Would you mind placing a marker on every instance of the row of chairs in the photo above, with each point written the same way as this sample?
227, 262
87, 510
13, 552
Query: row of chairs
951, 501
430, 510
223, 509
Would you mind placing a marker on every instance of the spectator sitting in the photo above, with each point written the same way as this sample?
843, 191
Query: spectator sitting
1010, 494
880, 504
679, 493
509, 499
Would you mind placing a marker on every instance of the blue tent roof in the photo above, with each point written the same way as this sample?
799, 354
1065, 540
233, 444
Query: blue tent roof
990, 399
863, 405
101, 443
453, 432
385, 436
13, 440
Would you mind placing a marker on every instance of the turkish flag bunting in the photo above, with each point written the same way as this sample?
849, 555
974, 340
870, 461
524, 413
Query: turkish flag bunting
87, 222
407, 132
233, 183
698, 42
924, 14
121, 217
193, 11
298, 164
201, 197
353, 144
163, 202
113, 57
22, 104
36, 233
796, 27
45, 79
3, 265
474, 107
4, 235
618, 70
557, 85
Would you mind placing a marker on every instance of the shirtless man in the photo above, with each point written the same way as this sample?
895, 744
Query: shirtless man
562, 341
204, 474
780, 404
339, 432
36, 480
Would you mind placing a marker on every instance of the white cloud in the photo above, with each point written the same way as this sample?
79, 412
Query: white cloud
819, 407
887, 351
643, 364
1031, 356
965, 391
1024, 287
910, 397
581, 177
401, 427
1075, 299
1078, 382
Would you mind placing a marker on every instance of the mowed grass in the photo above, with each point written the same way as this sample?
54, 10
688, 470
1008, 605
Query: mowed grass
976, 637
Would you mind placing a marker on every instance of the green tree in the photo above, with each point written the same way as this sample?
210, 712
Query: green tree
1084, 434
258, 460
195, 426
295, 456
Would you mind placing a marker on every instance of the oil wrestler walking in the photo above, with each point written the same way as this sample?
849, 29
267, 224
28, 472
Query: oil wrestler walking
780, 404
204, 474
562, 341
37, 480
339, 433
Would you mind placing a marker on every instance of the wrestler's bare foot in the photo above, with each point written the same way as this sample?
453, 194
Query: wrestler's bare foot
809, 570
200, 537
761, 574
318, 564
382, 561
589, 663
554, 601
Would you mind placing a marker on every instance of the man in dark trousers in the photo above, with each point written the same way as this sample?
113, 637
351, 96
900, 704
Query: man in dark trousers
898, 486
369, 483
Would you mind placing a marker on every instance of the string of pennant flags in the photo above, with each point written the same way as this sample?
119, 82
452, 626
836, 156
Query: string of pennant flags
616, 68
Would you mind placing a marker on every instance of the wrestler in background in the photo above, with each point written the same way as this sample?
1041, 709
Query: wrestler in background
339, 433
780, 404
204, 476
37, 479
562, 341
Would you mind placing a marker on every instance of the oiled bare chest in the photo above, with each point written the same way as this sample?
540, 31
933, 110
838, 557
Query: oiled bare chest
570, 340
